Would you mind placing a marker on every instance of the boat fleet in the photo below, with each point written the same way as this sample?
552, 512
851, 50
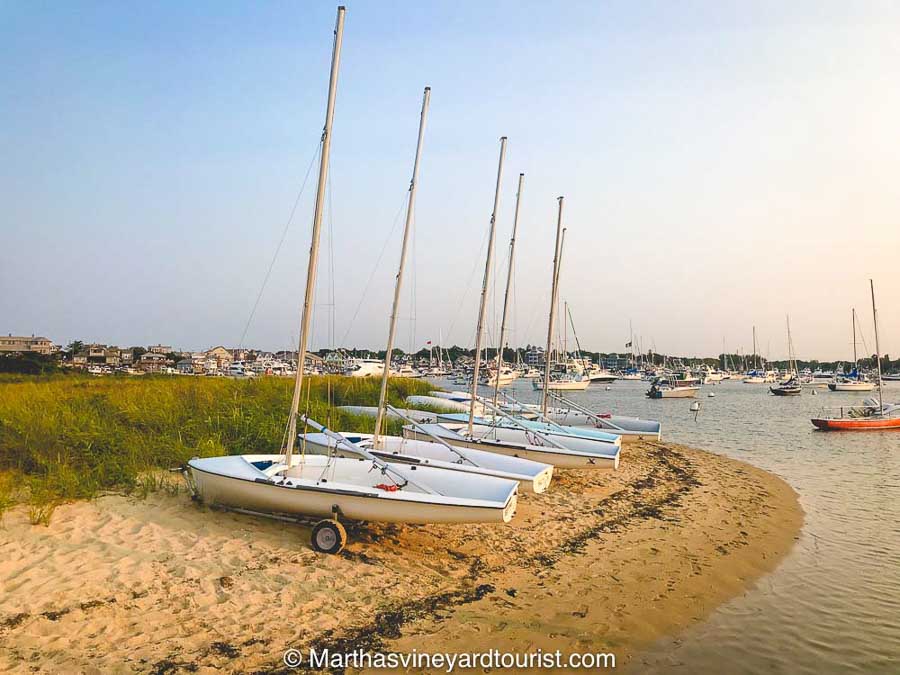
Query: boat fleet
467, 463
461, 467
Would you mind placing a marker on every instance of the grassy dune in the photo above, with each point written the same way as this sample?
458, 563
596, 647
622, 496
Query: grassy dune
64, 438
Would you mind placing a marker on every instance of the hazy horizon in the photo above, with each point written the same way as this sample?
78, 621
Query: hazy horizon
723, 165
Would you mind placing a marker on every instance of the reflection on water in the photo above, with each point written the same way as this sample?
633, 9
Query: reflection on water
833, 605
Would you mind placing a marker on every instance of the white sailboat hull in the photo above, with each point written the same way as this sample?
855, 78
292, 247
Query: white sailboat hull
532, 476
441, 403
372, 411
562, 385
851, 386
585, 454
309, 489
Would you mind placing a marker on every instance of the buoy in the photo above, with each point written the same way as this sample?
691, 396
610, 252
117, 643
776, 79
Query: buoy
814, 392
711, 395
695, 406
608, 388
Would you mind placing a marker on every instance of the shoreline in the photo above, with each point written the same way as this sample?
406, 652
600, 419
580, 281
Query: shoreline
605, 561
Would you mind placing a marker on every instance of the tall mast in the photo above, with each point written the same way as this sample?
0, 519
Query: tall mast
392, 329
509, 273
877, 348
755, 356
855, 358
790, 348
316, 231
484, 287
553, 289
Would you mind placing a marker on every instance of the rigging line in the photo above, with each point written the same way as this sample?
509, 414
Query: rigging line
280, 243
376, 266
475, 261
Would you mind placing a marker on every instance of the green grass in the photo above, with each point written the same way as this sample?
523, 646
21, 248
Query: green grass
70, 437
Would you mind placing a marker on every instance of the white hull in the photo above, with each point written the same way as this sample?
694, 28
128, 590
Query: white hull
309, 489
372, 411
851, 386
532, 476
562, 458
562, 385
677, 392
629, 428
441, 403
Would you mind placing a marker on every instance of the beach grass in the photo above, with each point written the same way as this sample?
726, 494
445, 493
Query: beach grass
71, 437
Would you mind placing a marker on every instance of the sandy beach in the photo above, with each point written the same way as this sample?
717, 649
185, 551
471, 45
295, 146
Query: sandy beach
606, 561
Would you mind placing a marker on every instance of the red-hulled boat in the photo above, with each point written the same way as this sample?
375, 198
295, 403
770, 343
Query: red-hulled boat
872, 415
864, 422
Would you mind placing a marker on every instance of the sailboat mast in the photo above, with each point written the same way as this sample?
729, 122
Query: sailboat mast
855, 358
877, 349
392, 329
509, 273
790, 348
316, 232
755, 356
553, 288
484, 287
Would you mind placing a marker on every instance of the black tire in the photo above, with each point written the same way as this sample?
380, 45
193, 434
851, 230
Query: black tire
328, 536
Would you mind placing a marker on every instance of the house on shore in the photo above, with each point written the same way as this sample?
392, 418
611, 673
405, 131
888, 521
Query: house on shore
21, 344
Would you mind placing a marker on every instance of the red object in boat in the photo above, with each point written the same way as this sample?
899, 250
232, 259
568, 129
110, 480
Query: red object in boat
604, 416
387, 488
857, 424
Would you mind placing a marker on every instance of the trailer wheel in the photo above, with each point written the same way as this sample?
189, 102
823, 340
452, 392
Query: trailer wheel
329, 536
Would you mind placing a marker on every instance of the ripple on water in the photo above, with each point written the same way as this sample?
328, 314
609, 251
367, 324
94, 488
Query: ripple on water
833, 605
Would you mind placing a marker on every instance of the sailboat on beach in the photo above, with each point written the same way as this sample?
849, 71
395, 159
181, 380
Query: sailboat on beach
873, 414
504, 433
329, 487
431, 450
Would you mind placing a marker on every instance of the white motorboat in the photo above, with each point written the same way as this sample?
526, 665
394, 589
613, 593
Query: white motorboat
578, 383
365, 368
672, 387
596, 374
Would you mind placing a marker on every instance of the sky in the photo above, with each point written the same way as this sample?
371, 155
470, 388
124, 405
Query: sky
724, 165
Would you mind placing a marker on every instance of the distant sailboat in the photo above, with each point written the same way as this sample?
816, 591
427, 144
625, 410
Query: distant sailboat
872, 415
855, 381
791, 386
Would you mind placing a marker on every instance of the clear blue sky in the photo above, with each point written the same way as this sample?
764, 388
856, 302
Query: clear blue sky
724, 164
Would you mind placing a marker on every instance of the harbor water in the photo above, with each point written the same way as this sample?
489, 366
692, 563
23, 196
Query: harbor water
833, 604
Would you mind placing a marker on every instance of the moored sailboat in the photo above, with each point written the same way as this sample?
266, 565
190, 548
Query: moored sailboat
855, 381
791, 386
873, 414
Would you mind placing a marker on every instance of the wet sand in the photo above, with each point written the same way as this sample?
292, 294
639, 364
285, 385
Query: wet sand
604, 562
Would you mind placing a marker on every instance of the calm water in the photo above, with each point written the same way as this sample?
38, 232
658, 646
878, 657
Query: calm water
833, 605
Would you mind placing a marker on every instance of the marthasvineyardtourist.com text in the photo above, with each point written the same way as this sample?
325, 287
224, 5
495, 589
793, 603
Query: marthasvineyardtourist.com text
494, 659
